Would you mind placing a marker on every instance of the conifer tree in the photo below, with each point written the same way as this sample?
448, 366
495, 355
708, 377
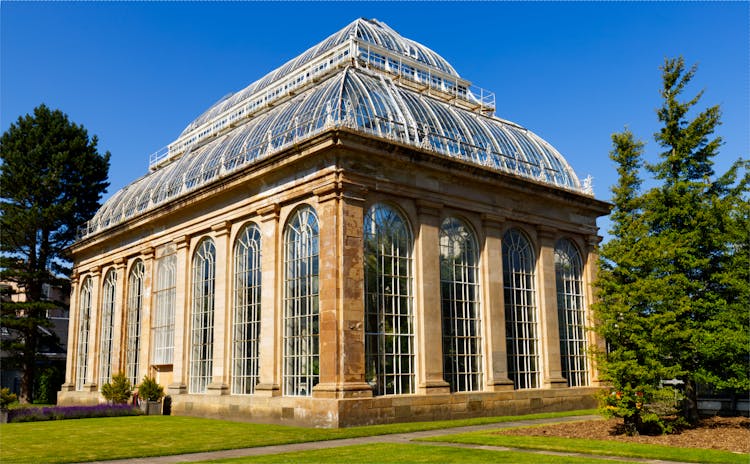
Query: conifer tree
673, 286
51, 180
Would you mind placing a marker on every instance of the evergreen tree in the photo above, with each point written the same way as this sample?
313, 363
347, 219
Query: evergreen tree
673, 285
692, 220
51, 181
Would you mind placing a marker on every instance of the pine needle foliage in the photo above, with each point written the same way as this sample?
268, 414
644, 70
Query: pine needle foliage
673, 285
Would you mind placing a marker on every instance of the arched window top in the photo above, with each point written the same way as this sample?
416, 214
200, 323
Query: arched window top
110, 278
517, 246
248, 236
385, 221
302, 221
568, 256
137, 269
457, 234
86, 286
206, 250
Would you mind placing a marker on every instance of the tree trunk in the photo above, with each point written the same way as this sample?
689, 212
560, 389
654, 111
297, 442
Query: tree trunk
691, 401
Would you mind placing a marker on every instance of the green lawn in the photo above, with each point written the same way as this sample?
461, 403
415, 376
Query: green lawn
141, 436
383, 453
612, 448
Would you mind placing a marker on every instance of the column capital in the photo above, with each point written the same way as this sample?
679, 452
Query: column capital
327, 192
95, 271
546, 232
182, 241
428, 208
492, 220
119, 263
221, 228
148, 253
269, 212
593, 240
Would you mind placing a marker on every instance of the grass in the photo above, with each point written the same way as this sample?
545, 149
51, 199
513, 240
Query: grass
604, 447
143, 436
386, 453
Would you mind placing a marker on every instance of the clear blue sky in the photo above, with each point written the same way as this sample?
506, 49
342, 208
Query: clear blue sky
136, 73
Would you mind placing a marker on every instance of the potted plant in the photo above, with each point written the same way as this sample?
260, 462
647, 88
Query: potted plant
6, 398
150, 394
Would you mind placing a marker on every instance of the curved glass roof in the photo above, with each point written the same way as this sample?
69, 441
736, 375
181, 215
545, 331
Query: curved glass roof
360, 98
366, 30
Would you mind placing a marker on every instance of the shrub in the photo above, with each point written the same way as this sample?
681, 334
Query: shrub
650, 412
118, 390
6, 398
71, 412
149, 390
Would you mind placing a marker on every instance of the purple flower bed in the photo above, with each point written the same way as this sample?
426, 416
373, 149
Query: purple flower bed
71, 412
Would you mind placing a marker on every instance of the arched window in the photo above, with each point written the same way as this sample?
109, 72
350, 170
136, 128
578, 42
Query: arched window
135, 306
162, 329
570, 313
246, 325
301, 323
389, 317
521, 320
459, 297
107, 326
202, 317
84, 327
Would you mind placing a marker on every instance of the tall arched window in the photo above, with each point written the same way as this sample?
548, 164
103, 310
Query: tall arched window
135, 306
521, 320
107, 326
162, 329
459, 297
389, 317
84, 327
301, 320
570, 313
246, 325
202, 317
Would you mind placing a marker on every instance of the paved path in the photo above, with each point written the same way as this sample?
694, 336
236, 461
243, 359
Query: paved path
398, 438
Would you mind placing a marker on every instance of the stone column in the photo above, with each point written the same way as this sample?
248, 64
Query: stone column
147, 255
220, 377
119, 330
342, 354
493, 313
268, 351
548, 323
179, 359
428, 317
595, 342
73, 321
90, 385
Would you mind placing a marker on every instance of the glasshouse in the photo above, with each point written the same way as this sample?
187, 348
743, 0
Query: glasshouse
354, 238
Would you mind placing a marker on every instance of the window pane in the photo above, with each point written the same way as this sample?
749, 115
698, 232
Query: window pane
520, 310
246, 325
570, 313
389, 333
301, 325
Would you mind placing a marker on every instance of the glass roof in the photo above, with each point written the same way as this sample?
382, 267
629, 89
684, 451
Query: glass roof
366, 30
363, 99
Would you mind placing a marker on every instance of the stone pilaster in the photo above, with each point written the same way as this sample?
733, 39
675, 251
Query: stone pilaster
493, 313
220, 378
147, 256
73, 322
428, 317
342, 355
179, 360
270, 332
590, 266
549, 326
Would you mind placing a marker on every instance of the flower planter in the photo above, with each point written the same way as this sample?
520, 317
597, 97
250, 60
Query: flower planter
151, 408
